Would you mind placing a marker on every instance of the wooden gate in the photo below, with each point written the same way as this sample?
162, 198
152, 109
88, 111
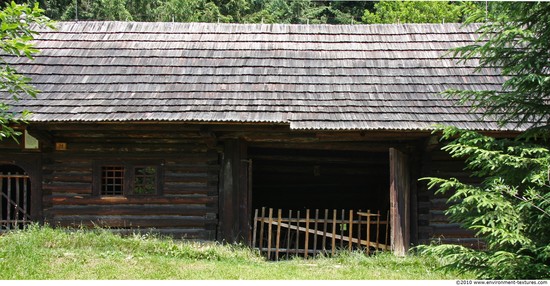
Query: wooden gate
309, 233
14, 201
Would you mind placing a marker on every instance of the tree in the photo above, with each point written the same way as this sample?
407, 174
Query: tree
388, 12
510, 209
17, 34
97, 10
516, 41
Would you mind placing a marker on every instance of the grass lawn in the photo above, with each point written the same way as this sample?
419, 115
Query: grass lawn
45, 253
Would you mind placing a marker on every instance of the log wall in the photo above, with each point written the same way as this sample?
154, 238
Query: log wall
187, 205
434, 225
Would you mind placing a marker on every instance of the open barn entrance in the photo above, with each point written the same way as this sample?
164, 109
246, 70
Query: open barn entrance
15, 203
319, 195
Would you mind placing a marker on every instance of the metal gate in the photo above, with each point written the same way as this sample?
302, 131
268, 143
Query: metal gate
14, 201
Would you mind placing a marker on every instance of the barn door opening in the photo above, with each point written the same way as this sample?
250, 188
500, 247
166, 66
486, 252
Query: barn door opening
15, 200
308, 201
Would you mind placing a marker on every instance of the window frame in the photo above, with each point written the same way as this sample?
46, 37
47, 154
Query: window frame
129, 177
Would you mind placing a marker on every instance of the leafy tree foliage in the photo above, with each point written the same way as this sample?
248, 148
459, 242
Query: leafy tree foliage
510, 210
387, 12
16, 34
240, 11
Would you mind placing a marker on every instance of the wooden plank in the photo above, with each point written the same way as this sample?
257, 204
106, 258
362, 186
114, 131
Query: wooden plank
278, 238
325, 222
297, 245
359, 222
269, 230
306, 242
333, 236
342, 222
399, 202
350, 245
368, 232
334, 213
255, 228
315, 225
378, 230
8, 217
288, 233
92, 200
262, 229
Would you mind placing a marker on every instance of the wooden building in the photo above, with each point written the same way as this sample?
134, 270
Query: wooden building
187, 128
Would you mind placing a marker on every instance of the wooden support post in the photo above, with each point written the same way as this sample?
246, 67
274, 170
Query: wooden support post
399, 202
387, 229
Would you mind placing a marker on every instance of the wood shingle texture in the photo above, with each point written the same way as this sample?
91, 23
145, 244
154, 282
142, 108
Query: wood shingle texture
321, 77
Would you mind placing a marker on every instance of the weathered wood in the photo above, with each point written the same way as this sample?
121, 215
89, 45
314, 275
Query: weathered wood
255, 227
278, 237
306, 246
335, 236
399, 202
315, 225
333, 232
269, 231
350, 246
262, 229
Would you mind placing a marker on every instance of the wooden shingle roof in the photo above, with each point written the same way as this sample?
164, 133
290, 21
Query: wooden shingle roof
365, 77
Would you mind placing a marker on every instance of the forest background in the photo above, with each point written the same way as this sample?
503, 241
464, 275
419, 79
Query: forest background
263, 11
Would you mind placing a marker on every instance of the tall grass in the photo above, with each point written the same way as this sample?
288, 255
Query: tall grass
47, 253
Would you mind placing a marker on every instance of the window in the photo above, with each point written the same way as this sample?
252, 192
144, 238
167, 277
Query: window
126, 179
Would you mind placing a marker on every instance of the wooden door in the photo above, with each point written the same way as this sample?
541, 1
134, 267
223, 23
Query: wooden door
399, 202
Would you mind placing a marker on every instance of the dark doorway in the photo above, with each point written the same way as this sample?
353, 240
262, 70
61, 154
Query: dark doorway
295, 179
15, 203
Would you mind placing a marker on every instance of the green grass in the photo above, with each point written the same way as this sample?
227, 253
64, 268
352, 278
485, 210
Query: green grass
45, 253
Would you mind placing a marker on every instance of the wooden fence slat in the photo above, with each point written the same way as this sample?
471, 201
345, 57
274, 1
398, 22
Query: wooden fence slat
342, 223
262, 229
315, 235
8, 216
255, 228
269, 230
350, 244
288, 234
325, 231
377, 230
302, 244
297, 231
368, 232
306, 244
334, 214
279, 215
